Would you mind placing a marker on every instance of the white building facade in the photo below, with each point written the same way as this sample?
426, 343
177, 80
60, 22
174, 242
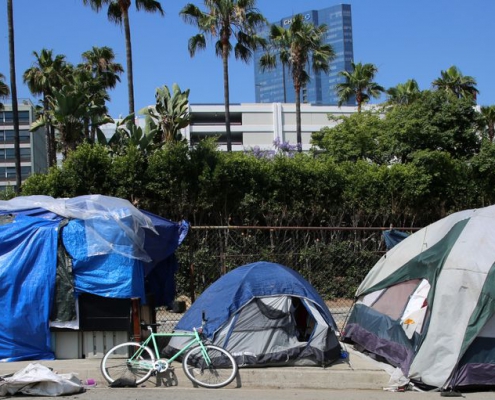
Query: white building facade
260, 124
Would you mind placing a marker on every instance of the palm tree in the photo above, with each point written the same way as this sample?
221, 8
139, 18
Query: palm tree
100, 62
488, 121
13, 88
225, 20
82, 81
359, 83
118, 12
103, 73
299, 47
403, 93
48, 72
4, 89
453, 81
68, 108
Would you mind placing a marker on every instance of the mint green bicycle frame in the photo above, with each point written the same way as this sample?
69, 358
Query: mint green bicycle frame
195, 339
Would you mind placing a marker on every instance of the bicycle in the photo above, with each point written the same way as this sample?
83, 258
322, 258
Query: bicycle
204, 364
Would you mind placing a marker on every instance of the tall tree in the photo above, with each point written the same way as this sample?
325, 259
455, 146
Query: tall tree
68, 108
48, 72
299, 47
226, 20
100, 62
13, 88
4, 89
359, 83
453, 81
488, 121
104, 74
403, 93
118, 12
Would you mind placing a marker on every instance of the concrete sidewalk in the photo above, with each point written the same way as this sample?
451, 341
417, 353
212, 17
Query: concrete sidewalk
356, 372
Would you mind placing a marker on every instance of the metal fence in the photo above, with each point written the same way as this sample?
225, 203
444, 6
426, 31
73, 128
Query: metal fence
333, 260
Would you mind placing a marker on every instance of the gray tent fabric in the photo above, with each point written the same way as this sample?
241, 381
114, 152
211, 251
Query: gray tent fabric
440, 285
265, 314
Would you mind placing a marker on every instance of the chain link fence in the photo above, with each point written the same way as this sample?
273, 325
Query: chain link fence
333, 260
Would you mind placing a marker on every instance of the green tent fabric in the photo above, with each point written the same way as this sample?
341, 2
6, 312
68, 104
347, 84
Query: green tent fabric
450, 263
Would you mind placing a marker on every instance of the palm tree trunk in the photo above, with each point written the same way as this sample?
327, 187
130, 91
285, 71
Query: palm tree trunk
53, 146
225, 61
128, 49
48, 138
13, 91
297, 88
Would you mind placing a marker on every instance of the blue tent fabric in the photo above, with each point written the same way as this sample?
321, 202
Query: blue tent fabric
106, 275
232, 291
393, 237
27, 264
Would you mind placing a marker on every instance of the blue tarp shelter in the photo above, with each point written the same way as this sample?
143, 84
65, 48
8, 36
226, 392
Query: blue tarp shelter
112, 248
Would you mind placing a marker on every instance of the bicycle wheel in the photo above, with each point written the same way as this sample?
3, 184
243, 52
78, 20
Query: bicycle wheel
117, 363
218, 372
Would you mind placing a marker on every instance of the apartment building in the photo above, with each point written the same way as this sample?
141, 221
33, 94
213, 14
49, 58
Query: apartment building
32, 145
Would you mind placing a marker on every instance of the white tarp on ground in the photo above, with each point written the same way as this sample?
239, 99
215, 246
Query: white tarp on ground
38, 380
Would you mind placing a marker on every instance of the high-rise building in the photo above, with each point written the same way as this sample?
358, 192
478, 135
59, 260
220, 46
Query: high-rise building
276, 85
32, 144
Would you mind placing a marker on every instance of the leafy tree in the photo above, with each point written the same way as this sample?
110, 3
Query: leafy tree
359, 83
483, 165
226, 20
87, 170
170, 114
403, 93
488, 121
48, 72
13, 88
127, 175
352, 138
453, 81
435, 121
298, 47
4, 89
118, 12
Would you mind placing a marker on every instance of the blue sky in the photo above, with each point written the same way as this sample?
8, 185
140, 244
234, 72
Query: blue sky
405, 39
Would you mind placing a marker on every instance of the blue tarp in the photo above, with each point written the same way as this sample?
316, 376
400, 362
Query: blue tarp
393, 237
113, 253
232, 291
28, 262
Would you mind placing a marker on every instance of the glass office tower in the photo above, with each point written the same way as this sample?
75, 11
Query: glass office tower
274, 86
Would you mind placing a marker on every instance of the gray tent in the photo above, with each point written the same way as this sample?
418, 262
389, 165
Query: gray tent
428, 305
265, 314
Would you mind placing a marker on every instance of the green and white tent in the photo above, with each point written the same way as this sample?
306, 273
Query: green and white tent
428, 305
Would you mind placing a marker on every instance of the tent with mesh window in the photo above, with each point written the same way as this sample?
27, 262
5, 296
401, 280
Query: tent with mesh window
265, 314
428, 306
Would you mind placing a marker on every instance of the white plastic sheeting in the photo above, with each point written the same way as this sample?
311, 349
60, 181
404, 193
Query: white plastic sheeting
39, 380
112, 225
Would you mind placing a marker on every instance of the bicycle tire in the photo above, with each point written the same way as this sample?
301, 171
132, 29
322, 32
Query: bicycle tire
116, 365
219, 373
